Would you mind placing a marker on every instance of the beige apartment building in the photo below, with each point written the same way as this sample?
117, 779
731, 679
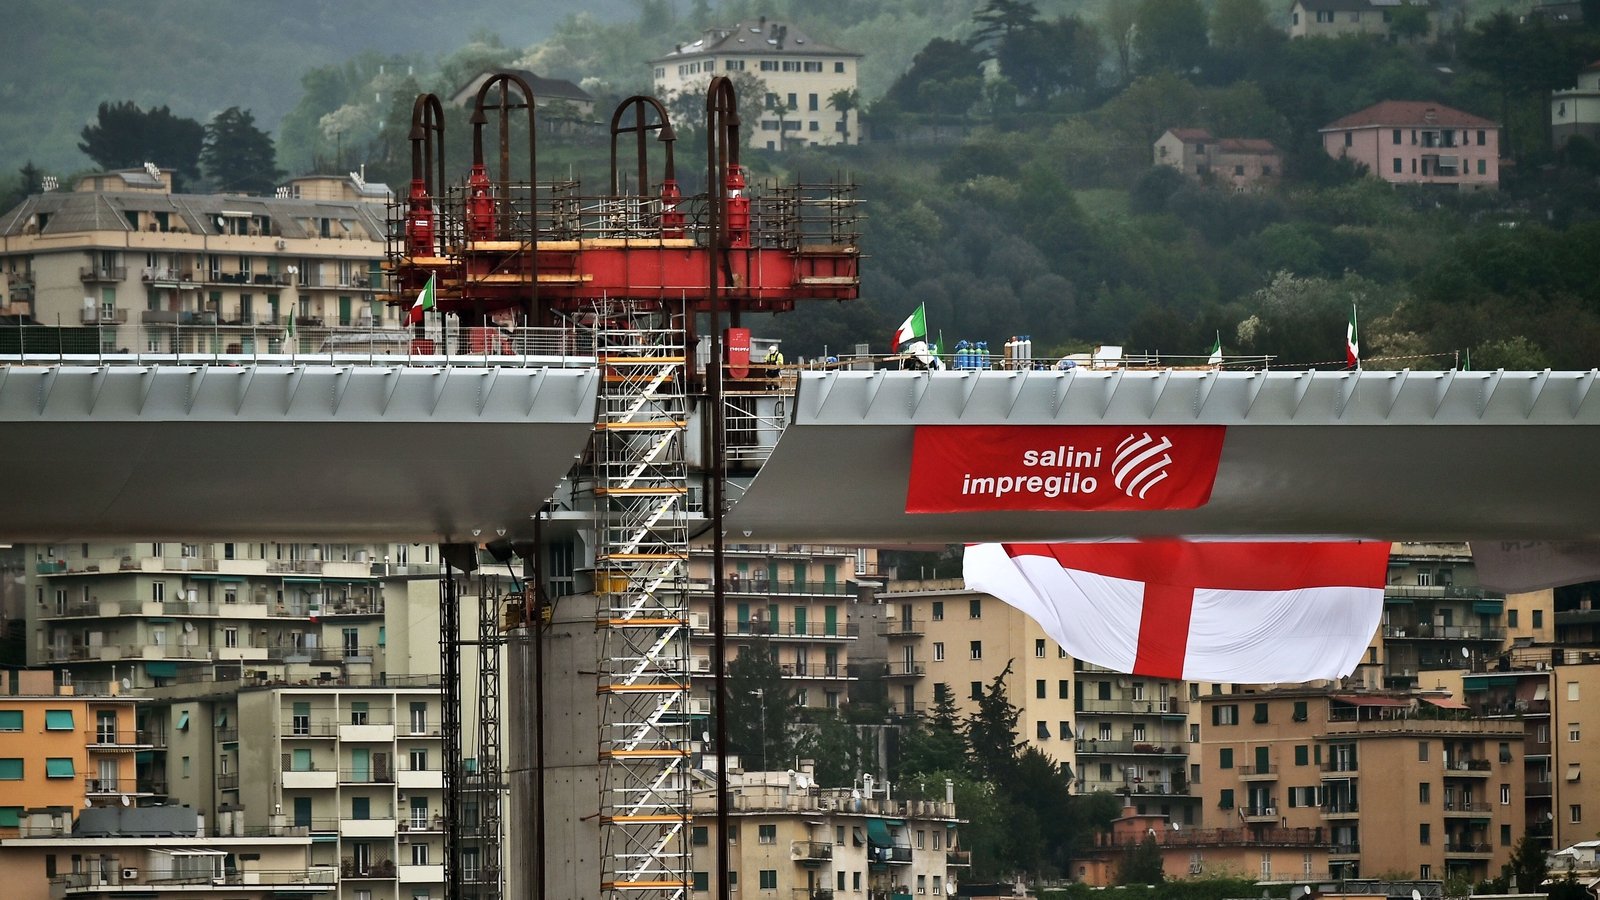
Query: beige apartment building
1434, 608
1397, 782
799, 73
797, 598
1119, 733
161, 271
789, 839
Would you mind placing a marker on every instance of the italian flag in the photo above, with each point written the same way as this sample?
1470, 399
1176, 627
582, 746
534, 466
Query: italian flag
1352, 344
423, 304
915, 326
1215, 359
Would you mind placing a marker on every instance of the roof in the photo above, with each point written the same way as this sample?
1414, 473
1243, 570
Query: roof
1358, 5
764, 37
1409, 113
1446, 702
1247, 145
1363, 700
543, 88
76, 211
1190, 134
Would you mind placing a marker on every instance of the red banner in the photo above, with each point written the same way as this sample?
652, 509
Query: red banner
977, 468
739, 352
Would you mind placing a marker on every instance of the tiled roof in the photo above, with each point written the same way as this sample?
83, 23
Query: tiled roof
1359, 5
1190, 134
1409, 114
75, 211
1247, 145
766, 37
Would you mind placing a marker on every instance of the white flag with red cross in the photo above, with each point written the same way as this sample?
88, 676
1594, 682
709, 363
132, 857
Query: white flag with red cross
1226, 611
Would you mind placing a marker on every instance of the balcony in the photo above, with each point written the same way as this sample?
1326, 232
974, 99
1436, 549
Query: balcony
101, 787
904, 628
894, 856
782, 630
351, 867
903, 669
366, 732
1344, 809
153, 786
163, 275
120, 740
99, 315
958, 858
137, 881
819, 673
1350, 848
1341, 768
414, 874
101, 274
1468, 848
367, 828
303, 779
766, 587
367, 775
1467, 768
810, 853
1428, 631
323, 728
228, 782
1264, 813
1258, 773
1134, 707
820, 893
419, 779
1538, 788
1461, 808
907, 710
1095, 746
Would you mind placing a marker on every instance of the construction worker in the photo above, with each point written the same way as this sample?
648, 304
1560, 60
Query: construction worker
774, 364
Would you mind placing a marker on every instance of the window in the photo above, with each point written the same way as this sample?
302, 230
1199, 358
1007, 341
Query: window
977, 690
838, 838
1505, 752
1105, 731
358, 712
838, 68
1505, 795
975, 608
702, 881
767, 834
1538, 618
58, 720
11, 769
769, 879
938, 890
1064, 728
1483, 137
1042, 731
1505, 835
230, 637
1424, 793
1424, 833
1397, 137
1194, 732
1139, 734
1061, 689
977, 649
361, 808
1038, 648
938, 650
1300, 713
1511, 614
938, 610
1575, 813
1573, 734
1238, 170
701, 836
419, 718
1572, 690
1422, 751
1225, 758
811, 101
1483, 169
855, 881
1302, 755
1039, 689
1261, 714
1225, 801
11, 720
1348, 139
1397, 166
922, 884
1425, 871
1225, 714
841, 880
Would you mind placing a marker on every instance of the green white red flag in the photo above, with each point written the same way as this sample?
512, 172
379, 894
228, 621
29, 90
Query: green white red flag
425, 302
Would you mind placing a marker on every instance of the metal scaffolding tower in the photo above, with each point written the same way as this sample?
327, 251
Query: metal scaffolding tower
641, 579
483, 786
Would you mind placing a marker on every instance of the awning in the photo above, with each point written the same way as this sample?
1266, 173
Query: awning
161, 669
58, 720
1574, 772
1386, 702
1488, 607
60, 767
1446, 702
1541, 691
183, 720
878, 833
189, 851
234, 578
1398, 601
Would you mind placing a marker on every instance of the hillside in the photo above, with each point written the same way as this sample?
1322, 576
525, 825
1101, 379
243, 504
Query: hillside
60, 60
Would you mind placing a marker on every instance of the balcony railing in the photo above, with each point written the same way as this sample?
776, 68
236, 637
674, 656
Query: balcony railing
1538, 788
320, 728
127, 739
790, 629
810, 851
791, 670
1342, 808
1345, 849
1140, 748
228, 782
366, 776
96, 883
90, 274
1268, 771
99, 786
1467, 847
766, 587
958, 857
350, 867
903, 669
1153, 706
1468, 766
904, 627
99, 315
908, 709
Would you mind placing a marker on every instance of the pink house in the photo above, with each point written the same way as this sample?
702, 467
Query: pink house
1416, 142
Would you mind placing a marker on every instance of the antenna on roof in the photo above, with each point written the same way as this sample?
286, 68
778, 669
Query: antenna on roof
49, 183
153, 170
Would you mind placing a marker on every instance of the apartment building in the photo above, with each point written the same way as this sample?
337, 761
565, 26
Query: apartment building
800, 76
65, 745
798, 598
1519, 692
1118, 733
1419, 142
1397, 782
1337, 18
163, 271
1437, 618
792, 840
1266, 854
114, 852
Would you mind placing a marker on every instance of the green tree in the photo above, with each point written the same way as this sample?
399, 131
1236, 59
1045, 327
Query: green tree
1141, 863
237, 156
123, 136
1117, 22
843, 101
945, 77
1240, 24
760, 706
839, 747
991, 732
1047, 58
934, 744
1170, 35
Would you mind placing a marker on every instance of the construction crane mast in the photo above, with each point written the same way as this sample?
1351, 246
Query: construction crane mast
538, 272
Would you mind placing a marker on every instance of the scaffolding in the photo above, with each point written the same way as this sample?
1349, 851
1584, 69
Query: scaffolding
641, 579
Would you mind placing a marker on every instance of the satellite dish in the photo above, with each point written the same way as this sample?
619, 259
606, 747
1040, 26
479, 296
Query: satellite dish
126, 801
127, 684
87, 803
1416, 894
1176, 827
950, 888
188, 627
855, 794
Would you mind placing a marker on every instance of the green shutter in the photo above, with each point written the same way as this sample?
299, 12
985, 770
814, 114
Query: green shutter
1302, 755
800, 620
10, 816
59, 767
1225, 758
300, 761
58, 720
1300, 714
1263, 759
10, 770
302, 709
1227, 799
700, 881
830, 620
10, 720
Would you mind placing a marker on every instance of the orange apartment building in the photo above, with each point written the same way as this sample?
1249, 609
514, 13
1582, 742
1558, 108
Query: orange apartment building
1265, 853
1396, 782
64, 746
